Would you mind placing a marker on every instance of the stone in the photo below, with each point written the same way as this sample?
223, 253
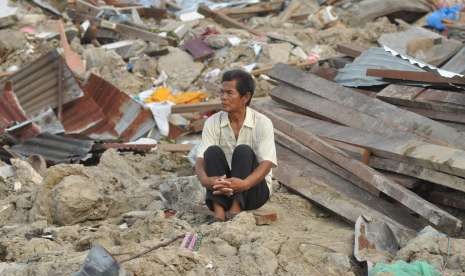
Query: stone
181, 193
224, 249
180, 68
279, 52
99, 57
77, 199
217, 41
146, 66
26, 174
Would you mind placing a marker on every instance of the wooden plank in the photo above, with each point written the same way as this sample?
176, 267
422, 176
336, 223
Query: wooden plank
406, 181
451, 199
253, 10
390, 114
458, 118
293, 6
446, 180
433, 214
350, 50
309, 154
443, 159
175, 147
225, 20
426, 77
407, 198
456, 63
417, 97
200, 107
340, 196
324, 108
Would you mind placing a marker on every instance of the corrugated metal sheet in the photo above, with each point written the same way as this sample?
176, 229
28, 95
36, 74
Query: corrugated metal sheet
54, 148
81, 114
125, 118
37, 84
354, 74
11, 113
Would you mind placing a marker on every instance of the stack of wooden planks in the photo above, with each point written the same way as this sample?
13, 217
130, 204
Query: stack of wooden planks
358, 155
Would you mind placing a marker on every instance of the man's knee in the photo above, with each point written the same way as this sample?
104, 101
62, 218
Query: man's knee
244, 151
212, 152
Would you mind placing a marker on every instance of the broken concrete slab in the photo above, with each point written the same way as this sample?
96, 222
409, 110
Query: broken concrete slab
180, 67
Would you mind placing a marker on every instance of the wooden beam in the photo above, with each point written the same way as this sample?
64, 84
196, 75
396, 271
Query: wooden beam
293, 6
426, 77
451, 199
253, 10
311, 155
389, 114
439, 158
329, 110
446, 180
434, 215
350, 50
416, 97
200, 107
175, 147
339, 196
225, 20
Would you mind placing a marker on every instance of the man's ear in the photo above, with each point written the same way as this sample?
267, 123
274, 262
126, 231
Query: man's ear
246, 98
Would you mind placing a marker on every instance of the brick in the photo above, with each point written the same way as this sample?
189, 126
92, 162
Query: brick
265, 217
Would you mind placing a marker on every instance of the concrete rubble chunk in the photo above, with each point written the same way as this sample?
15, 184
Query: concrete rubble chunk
77, 199
180, 67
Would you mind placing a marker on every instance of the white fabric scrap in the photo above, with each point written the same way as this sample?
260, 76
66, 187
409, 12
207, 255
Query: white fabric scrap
161, 113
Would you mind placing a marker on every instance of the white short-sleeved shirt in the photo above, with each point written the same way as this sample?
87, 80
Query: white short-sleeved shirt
256, 132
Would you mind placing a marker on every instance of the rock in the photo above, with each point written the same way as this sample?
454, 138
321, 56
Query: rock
137, 48
279, 52
217, 41
77, 199
26, 175
146, 66
257, 260
222, 248
181, 193
180, 68
99, 57
10, 41
338, 261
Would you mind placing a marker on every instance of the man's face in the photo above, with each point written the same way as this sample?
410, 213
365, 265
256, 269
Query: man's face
231, 98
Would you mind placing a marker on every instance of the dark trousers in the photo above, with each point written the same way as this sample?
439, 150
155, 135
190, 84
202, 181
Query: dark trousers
244, 162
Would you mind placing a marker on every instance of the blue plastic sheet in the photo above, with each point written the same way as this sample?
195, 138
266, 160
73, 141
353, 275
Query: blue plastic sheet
434, 20
401, 268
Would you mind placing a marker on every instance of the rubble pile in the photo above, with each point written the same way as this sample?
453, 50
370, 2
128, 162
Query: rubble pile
102, 104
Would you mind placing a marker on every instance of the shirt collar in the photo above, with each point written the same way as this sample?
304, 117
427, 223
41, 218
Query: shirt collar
248, 122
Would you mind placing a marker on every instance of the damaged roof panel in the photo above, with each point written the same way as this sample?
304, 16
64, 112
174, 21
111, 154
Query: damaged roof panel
125, 118
37, 84
81, 114
54, 148
11, 112
354, 74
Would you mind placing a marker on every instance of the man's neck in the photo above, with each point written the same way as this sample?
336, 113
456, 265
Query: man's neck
237, 116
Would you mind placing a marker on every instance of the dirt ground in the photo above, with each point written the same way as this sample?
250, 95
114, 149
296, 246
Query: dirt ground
45, 230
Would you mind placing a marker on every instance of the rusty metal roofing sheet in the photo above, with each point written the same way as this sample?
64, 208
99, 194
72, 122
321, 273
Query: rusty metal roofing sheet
37, 84
11, 113
126, 118
354, 74
54, 148
80, 115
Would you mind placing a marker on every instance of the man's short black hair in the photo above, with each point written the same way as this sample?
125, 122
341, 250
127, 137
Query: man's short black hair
244, 82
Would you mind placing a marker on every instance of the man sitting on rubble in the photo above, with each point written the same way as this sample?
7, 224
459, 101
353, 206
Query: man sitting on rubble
237, 151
